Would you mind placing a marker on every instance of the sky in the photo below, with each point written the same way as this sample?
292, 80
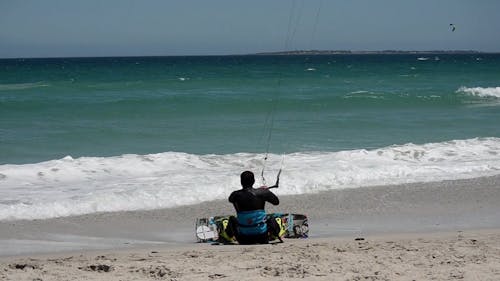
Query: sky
76, 28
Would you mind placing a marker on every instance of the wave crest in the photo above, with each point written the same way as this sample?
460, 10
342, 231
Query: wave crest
74, 186
481, 92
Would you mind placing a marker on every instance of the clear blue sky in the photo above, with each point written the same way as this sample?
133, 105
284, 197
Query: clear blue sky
62, 28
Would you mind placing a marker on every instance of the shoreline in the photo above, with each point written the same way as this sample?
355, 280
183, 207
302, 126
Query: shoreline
433, 207
445, 230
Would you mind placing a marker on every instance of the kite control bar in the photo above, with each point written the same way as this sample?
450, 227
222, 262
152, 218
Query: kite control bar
276, 185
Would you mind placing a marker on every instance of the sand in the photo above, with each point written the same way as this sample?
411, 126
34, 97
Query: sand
473, 255
446, 230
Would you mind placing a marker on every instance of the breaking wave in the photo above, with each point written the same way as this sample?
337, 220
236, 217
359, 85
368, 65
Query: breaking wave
69, 186
481, 92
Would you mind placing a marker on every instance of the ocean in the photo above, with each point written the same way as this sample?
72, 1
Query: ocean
85, 135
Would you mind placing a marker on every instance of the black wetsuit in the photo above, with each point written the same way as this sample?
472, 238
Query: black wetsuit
246, 201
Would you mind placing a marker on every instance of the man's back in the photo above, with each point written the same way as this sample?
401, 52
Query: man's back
249, 199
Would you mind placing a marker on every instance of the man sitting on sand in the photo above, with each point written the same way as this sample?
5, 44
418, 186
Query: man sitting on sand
250, 226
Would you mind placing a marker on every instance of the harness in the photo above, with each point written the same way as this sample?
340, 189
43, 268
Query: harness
252, 222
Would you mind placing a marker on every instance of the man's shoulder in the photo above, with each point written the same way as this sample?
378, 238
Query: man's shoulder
262, 191
237, 191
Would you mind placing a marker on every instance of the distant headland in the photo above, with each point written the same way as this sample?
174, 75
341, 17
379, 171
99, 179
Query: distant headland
383, 52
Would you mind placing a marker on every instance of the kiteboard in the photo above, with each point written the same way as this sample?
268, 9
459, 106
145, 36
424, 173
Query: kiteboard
212, 229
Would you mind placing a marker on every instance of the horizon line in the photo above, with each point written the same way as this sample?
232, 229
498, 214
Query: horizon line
270, 53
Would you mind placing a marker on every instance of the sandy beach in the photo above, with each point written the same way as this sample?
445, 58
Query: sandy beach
468, 255
425, 231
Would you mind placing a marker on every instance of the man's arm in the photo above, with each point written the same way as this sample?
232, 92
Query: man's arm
270, 197
231, 197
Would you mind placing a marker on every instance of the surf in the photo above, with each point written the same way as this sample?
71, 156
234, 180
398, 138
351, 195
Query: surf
486, 92
75, 186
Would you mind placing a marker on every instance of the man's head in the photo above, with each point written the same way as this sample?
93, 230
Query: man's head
247, 179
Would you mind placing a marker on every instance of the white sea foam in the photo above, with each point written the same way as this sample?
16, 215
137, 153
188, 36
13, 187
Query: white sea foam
364, 94
481, 92
84, 185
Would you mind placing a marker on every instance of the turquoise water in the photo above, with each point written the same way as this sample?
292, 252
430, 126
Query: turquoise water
51, 108
113, 134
